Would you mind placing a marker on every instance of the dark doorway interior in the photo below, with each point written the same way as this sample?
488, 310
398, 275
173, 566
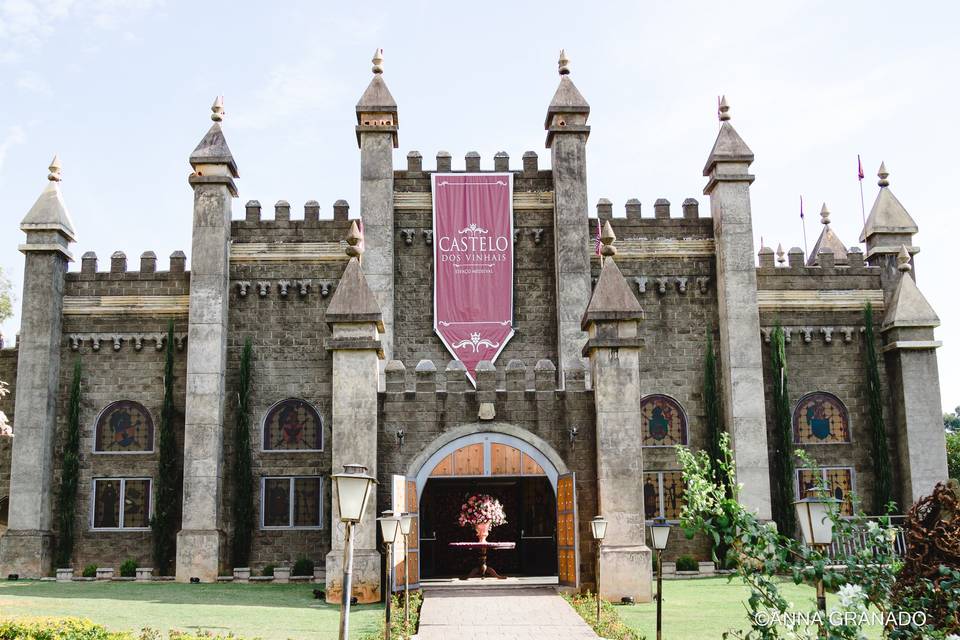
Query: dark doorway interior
531, 509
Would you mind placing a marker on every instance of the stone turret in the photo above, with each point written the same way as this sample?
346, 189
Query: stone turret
744, 412
201, 536
377, 122
567, 132
26, 547
612, 321
828, 241
911, 355
355, 321
888, 228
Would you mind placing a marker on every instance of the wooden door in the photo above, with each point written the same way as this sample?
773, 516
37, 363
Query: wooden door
568, 552
406, 501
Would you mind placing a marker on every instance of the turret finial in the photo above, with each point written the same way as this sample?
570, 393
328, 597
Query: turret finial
723, 109
54, 175
563, 64
824, 214
780, 254
377, 61
607, 237
903, 259
217, 109
354, 247
882, 173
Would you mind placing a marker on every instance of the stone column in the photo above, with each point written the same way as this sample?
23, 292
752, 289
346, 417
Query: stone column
567, 132
377, 122
612, 321
355, 321
744, 410
201, 538
911, 358
27, 546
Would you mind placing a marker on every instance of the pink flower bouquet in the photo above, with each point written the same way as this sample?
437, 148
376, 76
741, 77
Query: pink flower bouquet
482, 509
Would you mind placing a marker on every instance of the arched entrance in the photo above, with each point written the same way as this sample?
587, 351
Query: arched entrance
514, 466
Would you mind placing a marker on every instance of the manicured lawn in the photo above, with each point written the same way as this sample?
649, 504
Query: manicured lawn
705, 608
272, 612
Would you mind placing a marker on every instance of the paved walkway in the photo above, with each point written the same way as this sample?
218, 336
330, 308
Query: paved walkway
499, 613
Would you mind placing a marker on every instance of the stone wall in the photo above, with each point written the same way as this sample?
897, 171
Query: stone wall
112, 372
826, 351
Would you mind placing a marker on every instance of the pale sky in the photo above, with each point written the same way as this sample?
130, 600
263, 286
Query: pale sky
122, 90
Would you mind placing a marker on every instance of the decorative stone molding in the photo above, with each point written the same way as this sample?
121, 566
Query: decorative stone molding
428, 237
807, 333
537, 235
516, 235
301, 252
818, 299
326, 287
303, 287
284, 287
242, 288
102, 306
641, 283
662, 284
117, 340
827, 334
522, 200
681, 284
263, 288
408, 235
664, 248
703, 284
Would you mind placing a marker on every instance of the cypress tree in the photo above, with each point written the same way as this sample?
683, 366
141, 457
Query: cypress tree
883, 488
712, 409
784, 480
166, 509
67, 497
243, 473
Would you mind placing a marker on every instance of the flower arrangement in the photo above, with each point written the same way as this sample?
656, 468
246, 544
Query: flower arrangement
482, 509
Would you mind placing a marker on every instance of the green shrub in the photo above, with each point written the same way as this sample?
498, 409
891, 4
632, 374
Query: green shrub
303, 567
398, 625
953, 454
129, 568
687, 563
267, 570
610, 625
57, 629
90, 571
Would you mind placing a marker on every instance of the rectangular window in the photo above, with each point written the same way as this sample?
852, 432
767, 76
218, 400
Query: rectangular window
663, 494
121, 503
837, 480
292, 503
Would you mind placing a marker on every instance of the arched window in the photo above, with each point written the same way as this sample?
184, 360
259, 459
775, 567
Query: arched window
820, 418
292, 425
663, 421
124, 427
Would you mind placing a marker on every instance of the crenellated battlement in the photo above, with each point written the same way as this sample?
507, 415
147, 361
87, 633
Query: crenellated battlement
791, 270
312, 225
120, 268
473, 163
633, 210
492, 380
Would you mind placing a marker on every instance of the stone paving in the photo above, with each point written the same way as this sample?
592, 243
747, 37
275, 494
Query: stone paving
499, 613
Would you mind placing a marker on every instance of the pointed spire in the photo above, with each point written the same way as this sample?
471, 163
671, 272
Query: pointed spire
49, 212
828, 240
723, 110
377, 61
353, 301
612, 297
903, 260
563, 64
354, 248
217, 109
908, 307
213, 149
729, 146
377, 107
887, 216
568, 104
780, 254
54, 175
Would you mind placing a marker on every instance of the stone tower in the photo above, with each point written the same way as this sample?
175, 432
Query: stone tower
201, 537
567, 133
26, 547
728, 185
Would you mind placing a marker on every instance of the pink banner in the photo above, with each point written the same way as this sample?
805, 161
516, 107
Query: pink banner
473, 264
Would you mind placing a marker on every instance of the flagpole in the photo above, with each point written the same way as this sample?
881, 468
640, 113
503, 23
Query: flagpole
803, 223
863, 209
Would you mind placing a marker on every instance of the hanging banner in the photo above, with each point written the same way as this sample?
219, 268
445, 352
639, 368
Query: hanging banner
473, 264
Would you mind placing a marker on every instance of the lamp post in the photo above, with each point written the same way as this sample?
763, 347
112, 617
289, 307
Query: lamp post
599, 528
351, 490
816, 525
660, 531
406, 525
389, 526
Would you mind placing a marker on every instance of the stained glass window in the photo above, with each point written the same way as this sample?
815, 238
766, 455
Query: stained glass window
121, 503
837, 480
292, 502
820, 418
124, 427
664, 424
663, 494
292, 425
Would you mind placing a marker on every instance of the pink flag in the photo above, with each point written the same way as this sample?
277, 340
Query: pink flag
473, 265
859, 168
801, 207
597, 242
